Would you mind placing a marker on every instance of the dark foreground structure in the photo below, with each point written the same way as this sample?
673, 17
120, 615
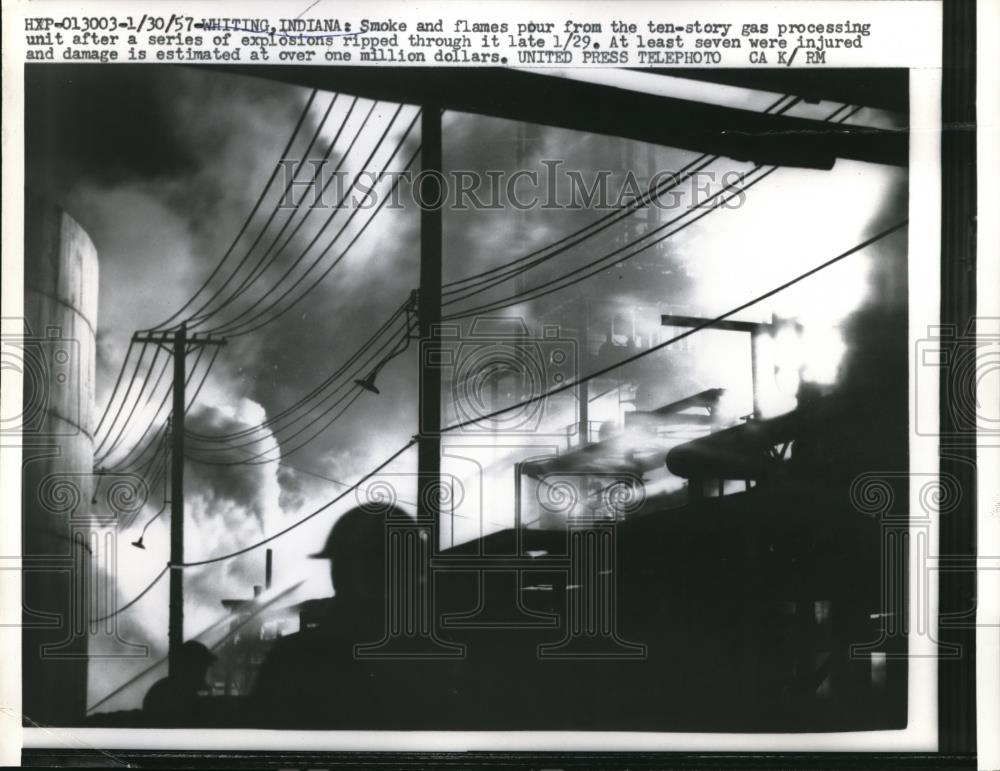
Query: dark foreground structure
774, 607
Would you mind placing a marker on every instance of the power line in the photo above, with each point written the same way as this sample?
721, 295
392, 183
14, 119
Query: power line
520, 405
163, 403
162, 454
337, 403
242, 231
156, 416
249, 218
202, 313
602, 223
218, 267
495, 305
505, 274
125, 397
211, 362
599, 265
317, 475
156, 456
309, 210
314, 392
141, 462
235, 327
615, 216
244, 285
352, 395
114, 391
263, 263
203, 454
308, 517
340, 257
560, 282
359, 370
552, 392
101, 456
337, 482
357, 392
350, 488
706, 325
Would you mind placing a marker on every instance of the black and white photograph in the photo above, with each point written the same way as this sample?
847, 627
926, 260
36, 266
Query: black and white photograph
390, 395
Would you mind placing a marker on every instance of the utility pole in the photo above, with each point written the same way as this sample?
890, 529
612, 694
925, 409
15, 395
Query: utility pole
179, 345
429, 315
410, 629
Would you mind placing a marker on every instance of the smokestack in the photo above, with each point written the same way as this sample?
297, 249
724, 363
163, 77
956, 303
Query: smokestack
268, 563
57, 419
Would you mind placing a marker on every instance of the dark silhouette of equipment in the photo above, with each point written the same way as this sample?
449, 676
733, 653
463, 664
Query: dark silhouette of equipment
176, 700
312, 678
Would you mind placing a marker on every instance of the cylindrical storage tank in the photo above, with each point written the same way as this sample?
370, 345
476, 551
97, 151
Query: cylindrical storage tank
60, 307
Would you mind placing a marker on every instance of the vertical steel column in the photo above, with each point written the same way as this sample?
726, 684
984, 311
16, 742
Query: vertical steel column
175, 632
429, 316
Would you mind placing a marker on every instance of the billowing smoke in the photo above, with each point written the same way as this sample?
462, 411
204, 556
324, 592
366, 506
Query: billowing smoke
875, 374
162, 165
224, 483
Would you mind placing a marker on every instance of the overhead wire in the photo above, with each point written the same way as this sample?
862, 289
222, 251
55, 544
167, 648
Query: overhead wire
203, 312
125, 397
566, 280
318, 389
599, 265
246, 223
531, 400
237, 325
282, 446
125, 462
249, 217
298, 523
688, 333
103, 455
302, 408
708, 324
308, 211
513, 268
